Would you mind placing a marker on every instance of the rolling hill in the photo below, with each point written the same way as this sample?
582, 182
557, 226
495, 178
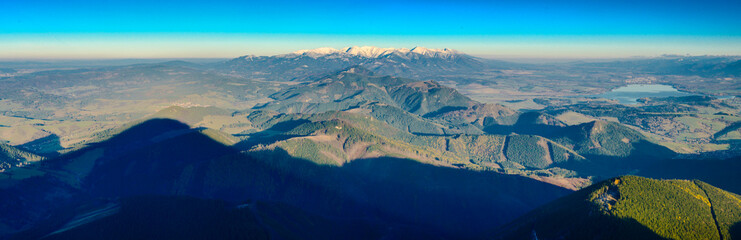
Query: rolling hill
336, 138
356, 86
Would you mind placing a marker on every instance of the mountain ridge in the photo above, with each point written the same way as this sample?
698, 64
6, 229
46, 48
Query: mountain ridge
371, 52
418, 62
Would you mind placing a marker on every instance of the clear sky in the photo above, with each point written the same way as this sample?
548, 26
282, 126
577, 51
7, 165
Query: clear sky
230, 28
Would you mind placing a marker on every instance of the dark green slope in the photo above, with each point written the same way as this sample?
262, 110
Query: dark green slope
536, 152
633, 207
598, 138
611, 148
348, 88
407, 121
610, 139
479, 116
428, 97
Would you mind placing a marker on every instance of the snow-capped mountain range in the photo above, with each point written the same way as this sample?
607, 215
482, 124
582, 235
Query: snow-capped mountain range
418, 62
375, 52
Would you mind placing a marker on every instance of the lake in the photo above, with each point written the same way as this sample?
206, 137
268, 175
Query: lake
629, 94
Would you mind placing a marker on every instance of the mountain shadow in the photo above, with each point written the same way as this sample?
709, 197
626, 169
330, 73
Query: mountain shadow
453, 202
735, 230
165, 157
270, 135
533, 123
167, 218
720, 173
46, 146
152, 151
180, 217
443, 110
598, 227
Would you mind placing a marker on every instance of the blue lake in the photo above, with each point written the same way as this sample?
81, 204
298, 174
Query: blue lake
632, 92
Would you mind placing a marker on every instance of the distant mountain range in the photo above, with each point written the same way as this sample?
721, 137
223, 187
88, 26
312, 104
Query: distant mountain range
376, 52
417, 62
704, 66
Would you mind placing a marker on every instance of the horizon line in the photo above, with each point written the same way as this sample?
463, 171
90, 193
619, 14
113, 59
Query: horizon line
482, 56
180, 46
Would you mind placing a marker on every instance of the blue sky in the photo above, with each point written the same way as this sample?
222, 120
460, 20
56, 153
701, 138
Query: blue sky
227, 28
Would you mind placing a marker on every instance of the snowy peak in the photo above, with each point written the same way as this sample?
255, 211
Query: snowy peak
317, 52
375, 52
445, 52
417, 62
421, 50
369, 52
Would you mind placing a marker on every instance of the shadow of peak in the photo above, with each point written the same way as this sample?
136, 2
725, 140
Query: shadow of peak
530, 118
287, 125
443, 110
189, 115
156, 155
289, 129
146, 130
422, 193
125, 139
735, 231
48, 146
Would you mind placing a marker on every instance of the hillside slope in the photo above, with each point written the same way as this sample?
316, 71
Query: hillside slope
355, 86
633, 207
12, 157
